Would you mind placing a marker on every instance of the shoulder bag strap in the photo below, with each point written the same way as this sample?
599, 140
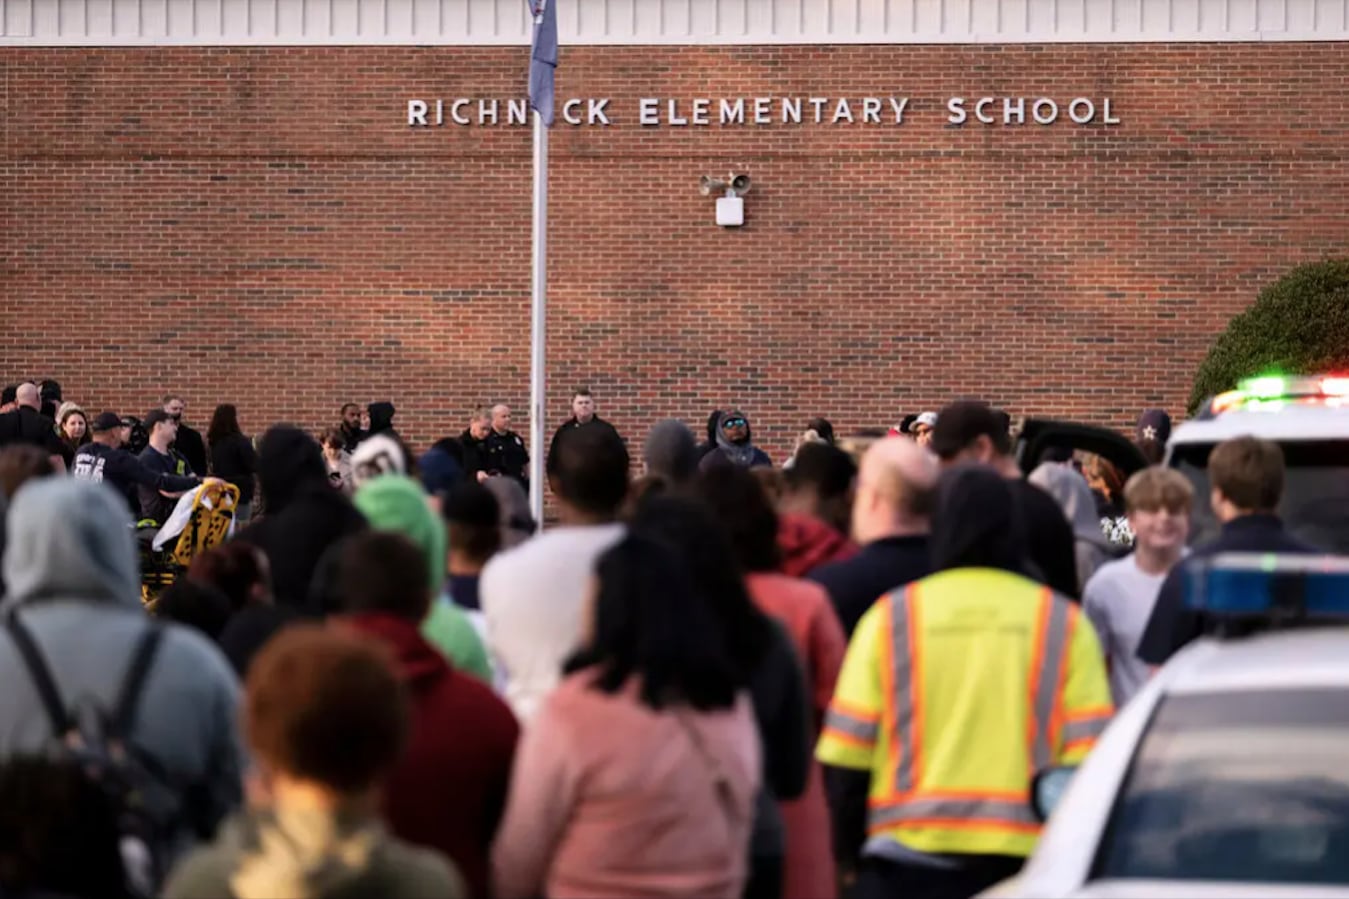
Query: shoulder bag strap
133, 683
41, 675
721, 784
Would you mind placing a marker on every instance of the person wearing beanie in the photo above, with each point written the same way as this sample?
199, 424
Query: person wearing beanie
381, 419
670, 452
397, 503
305, 516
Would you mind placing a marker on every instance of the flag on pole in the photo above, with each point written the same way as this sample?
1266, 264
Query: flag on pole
543, 61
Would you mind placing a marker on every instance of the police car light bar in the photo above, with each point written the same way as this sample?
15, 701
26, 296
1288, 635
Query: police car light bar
1270, 392
1269, 586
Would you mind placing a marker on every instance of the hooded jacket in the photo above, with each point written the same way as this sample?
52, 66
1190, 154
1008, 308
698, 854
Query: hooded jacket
807, 543
1069, 489
381, 418
311, 855
448, 791
744, 454
396, 503
304, 515
73, 575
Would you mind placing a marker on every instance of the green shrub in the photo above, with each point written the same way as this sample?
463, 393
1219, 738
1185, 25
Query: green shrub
1298, 325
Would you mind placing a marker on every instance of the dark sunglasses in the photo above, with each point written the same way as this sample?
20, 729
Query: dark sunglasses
734, 423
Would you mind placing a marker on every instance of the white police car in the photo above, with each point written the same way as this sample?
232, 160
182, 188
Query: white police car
1228, 775
1308, 417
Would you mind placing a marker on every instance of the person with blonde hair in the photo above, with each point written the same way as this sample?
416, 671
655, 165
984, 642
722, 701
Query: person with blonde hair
1120, 596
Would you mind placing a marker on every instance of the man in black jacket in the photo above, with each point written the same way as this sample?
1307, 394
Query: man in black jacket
474, 443
582, 416
973, 432
103, 460
26, 424
350, 426
506, 451
1247, 476
188, 442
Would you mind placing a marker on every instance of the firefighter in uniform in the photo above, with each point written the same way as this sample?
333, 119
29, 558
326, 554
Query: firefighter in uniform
955, 691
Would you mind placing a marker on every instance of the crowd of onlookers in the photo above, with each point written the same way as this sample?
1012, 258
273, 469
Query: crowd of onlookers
719, 678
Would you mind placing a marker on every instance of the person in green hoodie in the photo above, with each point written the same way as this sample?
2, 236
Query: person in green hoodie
397, 503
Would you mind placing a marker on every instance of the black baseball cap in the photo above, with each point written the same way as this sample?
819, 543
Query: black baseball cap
107, 421
154, 417
962, 423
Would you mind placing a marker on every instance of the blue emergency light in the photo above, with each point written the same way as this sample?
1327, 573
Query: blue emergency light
1269, 586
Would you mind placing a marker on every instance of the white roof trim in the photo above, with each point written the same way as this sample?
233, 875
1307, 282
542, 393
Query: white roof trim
665, 22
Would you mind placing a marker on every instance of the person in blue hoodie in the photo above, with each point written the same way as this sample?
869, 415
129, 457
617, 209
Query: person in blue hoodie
73, 579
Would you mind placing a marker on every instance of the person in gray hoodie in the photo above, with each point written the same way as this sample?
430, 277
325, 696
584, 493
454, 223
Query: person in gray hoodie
1069, 489
74, 586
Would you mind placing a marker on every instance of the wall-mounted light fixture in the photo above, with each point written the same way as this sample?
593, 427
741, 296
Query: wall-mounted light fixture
730, 206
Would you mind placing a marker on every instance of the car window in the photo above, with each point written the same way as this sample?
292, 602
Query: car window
1249, 786
1315, 504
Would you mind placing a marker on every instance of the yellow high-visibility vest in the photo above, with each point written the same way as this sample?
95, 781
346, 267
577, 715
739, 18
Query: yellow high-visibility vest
955, 690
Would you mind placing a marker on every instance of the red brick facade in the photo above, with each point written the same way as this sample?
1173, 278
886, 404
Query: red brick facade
261, 226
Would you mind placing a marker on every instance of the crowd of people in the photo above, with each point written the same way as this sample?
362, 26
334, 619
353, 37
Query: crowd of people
719, 678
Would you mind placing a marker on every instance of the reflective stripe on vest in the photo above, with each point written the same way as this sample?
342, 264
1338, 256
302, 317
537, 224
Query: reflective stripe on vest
949, 811
851, 726
902, 676
1049, 670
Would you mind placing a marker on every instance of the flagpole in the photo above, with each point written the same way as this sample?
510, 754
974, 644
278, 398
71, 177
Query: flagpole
538, 319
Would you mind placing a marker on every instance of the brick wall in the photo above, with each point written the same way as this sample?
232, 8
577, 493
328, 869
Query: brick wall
261, 226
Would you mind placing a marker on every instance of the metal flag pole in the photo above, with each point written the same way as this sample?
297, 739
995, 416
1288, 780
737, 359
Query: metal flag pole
538, 320
542, 63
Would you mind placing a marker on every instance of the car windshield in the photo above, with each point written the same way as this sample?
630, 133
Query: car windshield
1248, 786
1315, 505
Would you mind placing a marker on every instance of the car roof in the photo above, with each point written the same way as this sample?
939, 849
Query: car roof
1284, 660
1205, 889
1291, 422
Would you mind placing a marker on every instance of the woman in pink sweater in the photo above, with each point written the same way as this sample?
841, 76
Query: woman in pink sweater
638, 775
803, 608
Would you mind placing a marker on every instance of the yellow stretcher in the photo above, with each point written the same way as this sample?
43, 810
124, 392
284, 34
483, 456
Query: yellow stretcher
209, 525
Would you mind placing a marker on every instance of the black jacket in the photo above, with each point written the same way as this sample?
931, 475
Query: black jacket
507, 455
475, 454
234, 460
1172, 626
25, 425
192, 448
304, 515
855, 584
124, 473
572, 424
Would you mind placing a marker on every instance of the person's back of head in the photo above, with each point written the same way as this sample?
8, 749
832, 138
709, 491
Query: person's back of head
324, 708
473, 524
1154, 451
1247, 476
27, 395
59, 833
290, 462
670, 451
742, 508
196, 605
970, 431
589, 472
224, 423
517, 524
70, 539
237, 569
976, 523
650, 622
896, 490
382, 572
381, 416
21, 463
821, 479
823, 428
379, 454
692, 531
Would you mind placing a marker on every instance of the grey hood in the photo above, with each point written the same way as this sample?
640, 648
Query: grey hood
70, 539
1074, 497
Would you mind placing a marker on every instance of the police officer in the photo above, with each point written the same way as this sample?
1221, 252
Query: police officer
506, 452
